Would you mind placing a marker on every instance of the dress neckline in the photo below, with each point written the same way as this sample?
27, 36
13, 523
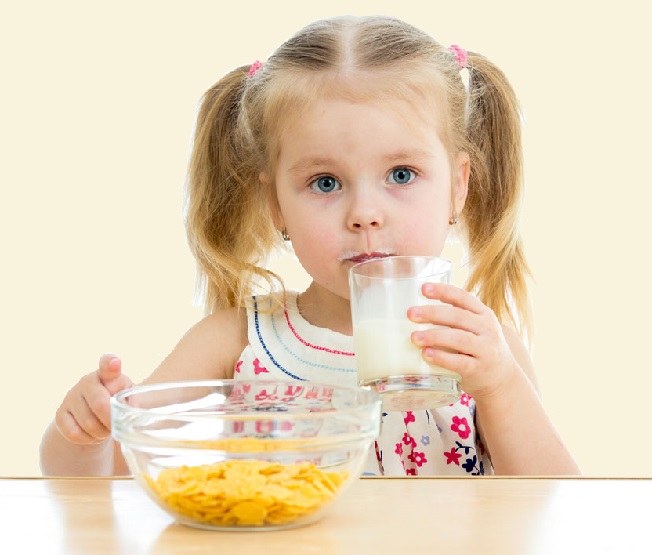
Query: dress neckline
306, 332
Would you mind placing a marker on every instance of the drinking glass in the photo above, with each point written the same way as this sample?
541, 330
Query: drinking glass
387, 361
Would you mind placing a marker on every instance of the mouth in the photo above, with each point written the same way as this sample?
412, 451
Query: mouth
356, 258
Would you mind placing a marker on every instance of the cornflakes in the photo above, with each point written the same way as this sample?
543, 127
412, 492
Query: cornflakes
246, 492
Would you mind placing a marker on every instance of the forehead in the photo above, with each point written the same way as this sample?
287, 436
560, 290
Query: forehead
344, 128
314, 103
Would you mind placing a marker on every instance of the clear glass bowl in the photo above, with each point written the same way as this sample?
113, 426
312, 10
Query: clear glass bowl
245, 455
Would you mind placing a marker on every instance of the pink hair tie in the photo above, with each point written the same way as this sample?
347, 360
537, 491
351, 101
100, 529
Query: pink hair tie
461, 55
255, 68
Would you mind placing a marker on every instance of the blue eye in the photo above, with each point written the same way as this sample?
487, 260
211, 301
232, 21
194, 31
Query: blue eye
402, 176
325, 184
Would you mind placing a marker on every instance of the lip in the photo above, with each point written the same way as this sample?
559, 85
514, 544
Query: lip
363, 257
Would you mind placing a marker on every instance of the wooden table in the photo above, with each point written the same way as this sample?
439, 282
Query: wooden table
404, 516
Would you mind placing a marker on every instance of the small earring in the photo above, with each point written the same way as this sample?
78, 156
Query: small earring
284, 234
453, 219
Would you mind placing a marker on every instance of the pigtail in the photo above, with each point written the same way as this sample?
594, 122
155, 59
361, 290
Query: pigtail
499, 268
228, 224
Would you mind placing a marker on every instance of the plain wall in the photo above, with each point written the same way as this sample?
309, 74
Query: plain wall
98, 105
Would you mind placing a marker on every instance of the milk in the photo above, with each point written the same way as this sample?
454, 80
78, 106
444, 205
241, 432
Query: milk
383, 348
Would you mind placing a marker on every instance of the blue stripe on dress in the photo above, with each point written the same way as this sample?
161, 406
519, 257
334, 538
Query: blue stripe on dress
262, 342
306, 362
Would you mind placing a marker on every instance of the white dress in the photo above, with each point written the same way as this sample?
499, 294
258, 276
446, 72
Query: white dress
434, 442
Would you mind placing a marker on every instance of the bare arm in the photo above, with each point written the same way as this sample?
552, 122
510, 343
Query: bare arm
78, 441
496, 370
525, 441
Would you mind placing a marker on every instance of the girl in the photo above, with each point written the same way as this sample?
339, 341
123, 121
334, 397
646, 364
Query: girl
358, 138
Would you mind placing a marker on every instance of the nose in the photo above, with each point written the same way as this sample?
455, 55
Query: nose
365, 213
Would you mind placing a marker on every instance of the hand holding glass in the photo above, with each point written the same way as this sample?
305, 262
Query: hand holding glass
382, 290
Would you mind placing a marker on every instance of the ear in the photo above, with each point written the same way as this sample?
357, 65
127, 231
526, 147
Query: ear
460, 181
272, 200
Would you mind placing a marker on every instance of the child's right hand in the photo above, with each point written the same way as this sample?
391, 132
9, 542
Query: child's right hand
84, 416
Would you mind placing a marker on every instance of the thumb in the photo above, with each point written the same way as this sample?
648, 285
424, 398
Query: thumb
110, 374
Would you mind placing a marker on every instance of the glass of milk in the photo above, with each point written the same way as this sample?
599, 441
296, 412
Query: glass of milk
382, 290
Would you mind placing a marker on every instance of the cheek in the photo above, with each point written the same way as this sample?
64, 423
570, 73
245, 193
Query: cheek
312, 242
427, 226
318, 248
428, 239
310, 227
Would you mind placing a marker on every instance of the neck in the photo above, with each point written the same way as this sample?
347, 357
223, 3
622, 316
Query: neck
325, 309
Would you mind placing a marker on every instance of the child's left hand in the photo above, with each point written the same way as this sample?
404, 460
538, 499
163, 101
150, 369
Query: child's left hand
467, 338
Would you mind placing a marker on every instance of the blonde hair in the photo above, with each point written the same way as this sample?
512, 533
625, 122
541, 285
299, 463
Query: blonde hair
229, 218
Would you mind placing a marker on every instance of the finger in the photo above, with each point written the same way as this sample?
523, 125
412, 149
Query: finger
446, 315
99, 404
68, 428
450, 294
91, 424
111, 376
109, 367
71, 430
86, 418
456, 362
456, 340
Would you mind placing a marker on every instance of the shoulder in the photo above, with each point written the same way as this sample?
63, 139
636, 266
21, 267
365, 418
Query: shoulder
219, 330
209, 349
272, 302
520, 353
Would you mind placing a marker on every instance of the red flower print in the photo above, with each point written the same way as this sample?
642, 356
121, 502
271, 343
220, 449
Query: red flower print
409, 440
453, 456
240, 390
411, 471
291, 392
409, 417
238, 366
461, 426
312, 393
258, 369
399, 449
417, 457
326, 393
262, 395
264, 427
464, 399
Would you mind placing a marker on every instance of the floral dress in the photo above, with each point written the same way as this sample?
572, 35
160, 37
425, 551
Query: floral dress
434, 442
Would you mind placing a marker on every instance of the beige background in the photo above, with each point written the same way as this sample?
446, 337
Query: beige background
98, 103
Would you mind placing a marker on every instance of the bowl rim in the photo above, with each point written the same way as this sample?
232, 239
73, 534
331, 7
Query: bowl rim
118, 399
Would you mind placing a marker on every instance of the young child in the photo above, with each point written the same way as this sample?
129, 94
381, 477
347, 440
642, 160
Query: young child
358, 138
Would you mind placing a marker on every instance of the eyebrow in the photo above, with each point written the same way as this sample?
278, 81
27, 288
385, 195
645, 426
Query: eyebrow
399, 156
307, 163
417, 153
